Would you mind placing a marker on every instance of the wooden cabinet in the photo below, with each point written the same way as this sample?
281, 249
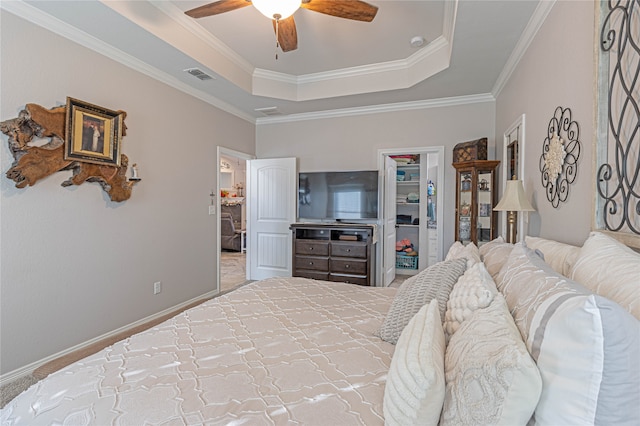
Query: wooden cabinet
476, 195
344, 253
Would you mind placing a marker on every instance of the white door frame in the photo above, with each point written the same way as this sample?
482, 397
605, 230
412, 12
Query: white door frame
226, 152
439, 151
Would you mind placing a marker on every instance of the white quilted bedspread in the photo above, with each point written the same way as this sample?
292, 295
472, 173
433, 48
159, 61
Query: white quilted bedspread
278, 351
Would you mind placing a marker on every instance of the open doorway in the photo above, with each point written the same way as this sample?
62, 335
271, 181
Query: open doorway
232, 219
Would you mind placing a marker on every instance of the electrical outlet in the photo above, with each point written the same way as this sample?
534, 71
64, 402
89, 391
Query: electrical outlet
212, 209
157, 287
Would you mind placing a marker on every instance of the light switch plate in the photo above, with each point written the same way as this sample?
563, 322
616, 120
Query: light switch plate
212, 210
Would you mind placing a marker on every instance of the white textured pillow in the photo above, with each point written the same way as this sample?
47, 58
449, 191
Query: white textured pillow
494, 254
610, 269
469, 252
414, 391
474, 290
586, 346
559, 256
435, 282
490, 377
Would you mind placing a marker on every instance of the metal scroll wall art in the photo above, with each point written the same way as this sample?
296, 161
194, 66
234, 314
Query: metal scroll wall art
559, 159
618, 176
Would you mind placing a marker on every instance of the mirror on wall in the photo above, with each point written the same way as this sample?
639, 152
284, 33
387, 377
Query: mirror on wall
512, 160
513, 167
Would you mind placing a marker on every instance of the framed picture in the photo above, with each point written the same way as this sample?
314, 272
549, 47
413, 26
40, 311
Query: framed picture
485, 209
93, 133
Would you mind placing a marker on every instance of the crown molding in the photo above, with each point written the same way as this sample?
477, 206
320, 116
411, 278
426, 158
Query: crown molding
392, 75
529, 33
50, 23
44, 20
370, 78
377, 109
192, 26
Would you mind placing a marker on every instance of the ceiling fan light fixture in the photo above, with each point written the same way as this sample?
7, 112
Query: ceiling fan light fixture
277, 9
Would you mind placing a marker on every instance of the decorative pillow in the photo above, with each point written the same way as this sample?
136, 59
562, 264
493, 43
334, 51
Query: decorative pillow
414, 391
434, 282
559, 256
469, 252
474, 290
490, 377
586, 346
494, 254
610, 269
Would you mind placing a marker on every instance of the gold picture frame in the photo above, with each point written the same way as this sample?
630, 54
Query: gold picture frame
93, 134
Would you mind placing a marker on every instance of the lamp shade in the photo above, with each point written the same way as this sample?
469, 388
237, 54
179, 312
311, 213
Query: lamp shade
514, 198
282, 8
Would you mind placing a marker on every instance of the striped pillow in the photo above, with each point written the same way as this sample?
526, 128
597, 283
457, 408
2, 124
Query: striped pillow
586, 347
435, 282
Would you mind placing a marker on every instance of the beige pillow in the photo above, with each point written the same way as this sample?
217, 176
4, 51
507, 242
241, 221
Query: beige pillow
490, 377
610, 269
469, 252
474, 290
494, 254
414, 391
559, 256
435, 282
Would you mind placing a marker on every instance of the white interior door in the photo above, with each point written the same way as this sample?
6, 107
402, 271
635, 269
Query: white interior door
271, 202
389, 245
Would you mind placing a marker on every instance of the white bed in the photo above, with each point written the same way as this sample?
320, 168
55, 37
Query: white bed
538, 333
279, 351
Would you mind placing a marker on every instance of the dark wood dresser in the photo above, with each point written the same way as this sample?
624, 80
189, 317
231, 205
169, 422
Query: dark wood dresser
335, 252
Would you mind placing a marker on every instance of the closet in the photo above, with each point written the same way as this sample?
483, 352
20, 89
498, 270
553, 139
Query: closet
418, 228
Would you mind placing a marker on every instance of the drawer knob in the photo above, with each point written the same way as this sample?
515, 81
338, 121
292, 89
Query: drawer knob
310, 248
348, 250
347, 266
310, 263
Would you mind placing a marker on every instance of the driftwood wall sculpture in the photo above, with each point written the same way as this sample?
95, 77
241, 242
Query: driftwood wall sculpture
33, 163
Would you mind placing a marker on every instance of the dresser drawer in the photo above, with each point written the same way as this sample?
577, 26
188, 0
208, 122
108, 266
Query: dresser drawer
351, 279
312, 263
349, 250
316, 248
348, 266
314, 275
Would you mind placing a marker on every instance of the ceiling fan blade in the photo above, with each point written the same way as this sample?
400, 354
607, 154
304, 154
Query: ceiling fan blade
348, 9
217, 7
287, 34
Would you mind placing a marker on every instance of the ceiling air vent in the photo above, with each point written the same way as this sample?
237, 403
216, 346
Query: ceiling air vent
199, 74
269, 111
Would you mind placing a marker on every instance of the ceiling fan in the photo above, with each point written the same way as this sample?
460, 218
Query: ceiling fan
281, 12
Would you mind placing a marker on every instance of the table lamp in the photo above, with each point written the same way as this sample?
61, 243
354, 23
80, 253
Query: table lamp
513, 201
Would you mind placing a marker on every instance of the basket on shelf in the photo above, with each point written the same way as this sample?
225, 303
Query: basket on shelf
406, 262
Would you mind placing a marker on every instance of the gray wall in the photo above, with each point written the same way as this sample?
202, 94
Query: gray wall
352, 143
557, 70
74, 264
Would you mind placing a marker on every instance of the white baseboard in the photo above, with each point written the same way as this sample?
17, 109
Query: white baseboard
30, 368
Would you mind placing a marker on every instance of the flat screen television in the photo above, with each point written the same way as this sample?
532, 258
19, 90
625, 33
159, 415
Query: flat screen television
338, 195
